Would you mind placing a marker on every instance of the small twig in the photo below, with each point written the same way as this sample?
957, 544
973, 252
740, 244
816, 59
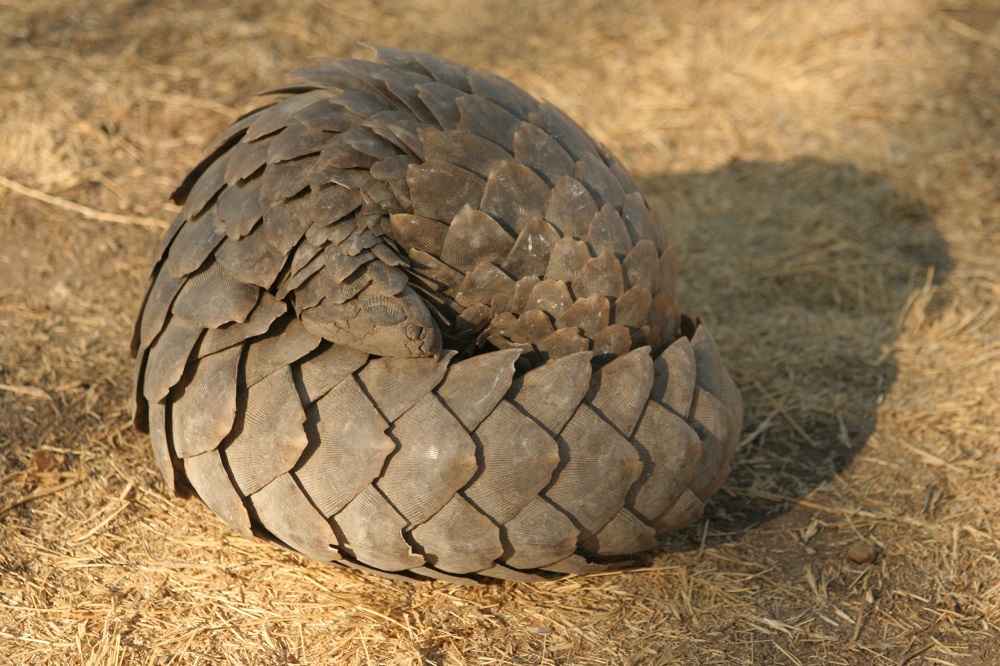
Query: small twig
704, 538
86, 211
30, 391
779, 408
124, 504
764, 425
180, 99
913, 655
38, 493
969, 32
859, 621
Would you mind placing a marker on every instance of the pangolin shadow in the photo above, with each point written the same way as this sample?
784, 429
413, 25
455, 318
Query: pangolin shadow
802, 269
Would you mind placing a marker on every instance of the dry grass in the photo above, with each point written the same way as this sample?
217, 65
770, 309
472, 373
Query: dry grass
828, 171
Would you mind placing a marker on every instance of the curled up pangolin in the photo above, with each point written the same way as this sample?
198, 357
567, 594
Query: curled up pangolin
412, 320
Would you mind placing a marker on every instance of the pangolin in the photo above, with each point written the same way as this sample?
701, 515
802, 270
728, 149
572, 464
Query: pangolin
412, 320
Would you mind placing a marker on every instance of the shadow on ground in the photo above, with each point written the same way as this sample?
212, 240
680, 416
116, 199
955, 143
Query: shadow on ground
802, 268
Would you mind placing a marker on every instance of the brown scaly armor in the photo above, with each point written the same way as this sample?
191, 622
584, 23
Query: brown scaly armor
414, 321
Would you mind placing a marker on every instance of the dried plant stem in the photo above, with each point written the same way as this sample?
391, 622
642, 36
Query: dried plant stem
86, 211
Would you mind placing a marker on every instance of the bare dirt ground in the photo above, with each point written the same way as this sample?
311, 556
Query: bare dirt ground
828, 172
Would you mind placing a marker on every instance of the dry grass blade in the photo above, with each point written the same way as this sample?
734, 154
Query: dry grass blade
42, 492
85, 211
973, 34
30, 391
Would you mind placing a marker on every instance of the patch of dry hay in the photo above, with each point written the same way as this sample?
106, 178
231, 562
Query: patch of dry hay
828, 173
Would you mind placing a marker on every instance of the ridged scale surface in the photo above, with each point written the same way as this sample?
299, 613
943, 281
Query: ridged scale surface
411, 320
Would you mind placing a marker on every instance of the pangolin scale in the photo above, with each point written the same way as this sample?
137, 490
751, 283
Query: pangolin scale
413, 321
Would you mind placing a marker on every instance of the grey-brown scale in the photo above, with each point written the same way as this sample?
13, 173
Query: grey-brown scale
411, 320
